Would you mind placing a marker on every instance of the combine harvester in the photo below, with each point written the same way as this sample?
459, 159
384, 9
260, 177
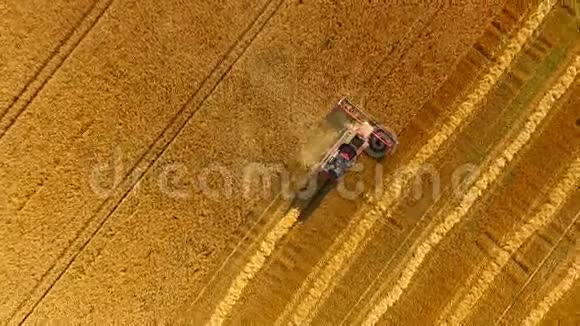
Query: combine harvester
356, 133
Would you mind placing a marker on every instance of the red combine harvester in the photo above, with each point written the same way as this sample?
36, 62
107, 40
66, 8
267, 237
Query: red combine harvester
357, 132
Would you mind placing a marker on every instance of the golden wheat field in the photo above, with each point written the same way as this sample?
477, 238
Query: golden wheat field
149, 151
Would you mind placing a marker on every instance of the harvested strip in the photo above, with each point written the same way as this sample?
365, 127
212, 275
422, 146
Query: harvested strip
352, 238
540, 265
503, 253
475, 192
256, 262
543, 307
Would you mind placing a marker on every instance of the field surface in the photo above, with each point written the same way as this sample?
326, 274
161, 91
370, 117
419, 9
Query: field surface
149, 149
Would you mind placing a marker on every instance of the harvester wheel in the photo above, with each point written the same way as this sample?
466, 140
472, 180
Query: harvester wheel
377, 148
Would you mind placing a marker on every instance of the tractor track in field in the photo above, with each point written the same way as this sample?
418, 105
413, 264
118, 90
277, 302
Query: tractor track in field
50, 66
336, 265
144, 163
